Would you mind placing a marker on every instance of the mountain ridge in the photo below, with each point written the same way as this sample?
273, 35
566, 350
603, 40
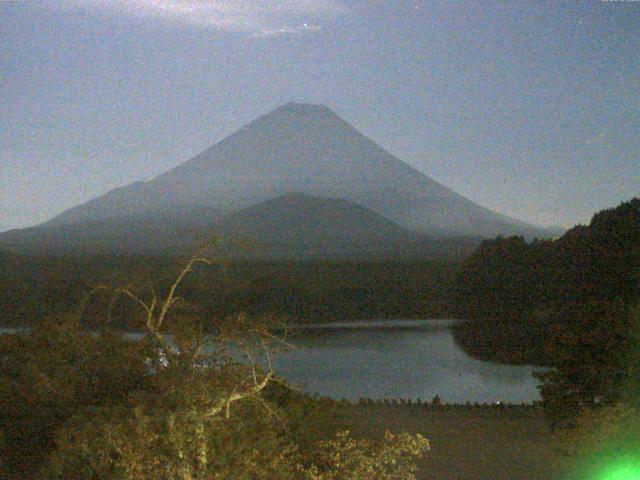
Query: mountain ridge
303, 148
306, 148
292, 226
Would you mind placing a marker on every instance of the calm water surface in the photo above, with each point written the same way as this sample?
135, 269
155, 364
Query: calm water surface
396, 359
410, 359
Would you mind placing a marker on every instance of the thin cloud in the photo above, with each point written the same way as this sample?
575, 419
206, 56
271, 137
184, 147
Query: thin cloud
261, 18
305, 28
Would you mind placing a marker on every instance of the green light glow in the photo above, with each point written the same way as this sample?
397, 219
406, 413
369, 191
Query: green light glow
624, 471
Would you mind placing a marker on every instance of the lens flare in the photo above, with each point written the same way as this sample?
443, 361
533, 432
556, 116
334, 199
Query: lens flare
623, 471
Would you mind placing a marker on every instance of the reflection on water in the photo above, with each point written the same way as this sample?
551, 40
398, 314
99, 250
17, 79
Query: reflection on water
411, 359
396, 359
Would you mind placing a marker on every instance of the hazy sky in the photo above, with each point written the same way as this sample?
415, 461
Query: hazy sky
530, 108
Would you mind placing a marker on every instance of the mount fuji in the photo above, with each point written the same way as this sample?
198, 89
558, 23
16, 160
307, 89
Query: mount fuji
300, 149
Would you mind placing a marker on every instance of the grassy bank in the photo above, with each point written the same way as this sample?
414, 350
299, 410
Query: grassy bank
468, 443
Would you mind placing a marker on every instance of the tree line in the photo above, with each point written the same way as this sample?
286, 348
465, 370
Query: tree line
572, 304
303, 291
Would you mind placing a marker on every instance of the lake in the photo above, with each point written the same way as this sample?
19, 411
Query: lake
396, 359
409, 359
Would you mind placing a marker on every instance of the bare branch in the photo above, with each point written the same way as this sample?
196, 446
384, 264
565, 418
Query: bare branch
253, 366
268, 408
112, 303
267, 354
170, 299
134, 297
225, 404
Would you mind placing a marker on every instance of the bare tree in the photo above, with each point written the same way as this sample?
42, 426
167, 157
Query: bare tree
182, 425
239, 336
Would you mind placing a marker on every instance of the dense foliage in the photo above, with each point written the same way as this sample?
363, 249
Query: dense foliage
595, 357
93, 405
51, 373
516, 291
568, 303
33, 287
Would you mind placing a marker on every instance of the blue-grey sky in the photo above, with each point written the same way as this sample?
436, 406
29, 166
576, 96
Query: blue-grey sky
530, 108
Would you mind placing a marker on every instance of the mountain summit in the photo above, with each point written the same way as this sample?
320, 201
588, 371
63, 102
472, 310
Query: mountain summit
302, 148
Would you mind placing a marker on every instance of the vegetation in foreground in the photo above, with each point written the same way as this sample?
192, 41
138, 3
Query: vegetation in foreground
90, 406
568, 303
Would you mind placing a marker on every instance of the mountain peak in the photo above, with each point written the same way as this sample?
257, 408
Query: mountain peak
296, 108
307, 148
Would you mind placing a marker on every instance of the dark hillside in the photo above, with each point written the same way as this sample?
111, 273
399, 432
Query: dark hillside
295, 226
34, 287
517, 291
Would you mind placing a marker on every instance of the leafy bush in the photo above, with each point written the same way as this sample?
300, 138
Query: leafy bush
345, 458
83, 406
596, 351
49, 373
